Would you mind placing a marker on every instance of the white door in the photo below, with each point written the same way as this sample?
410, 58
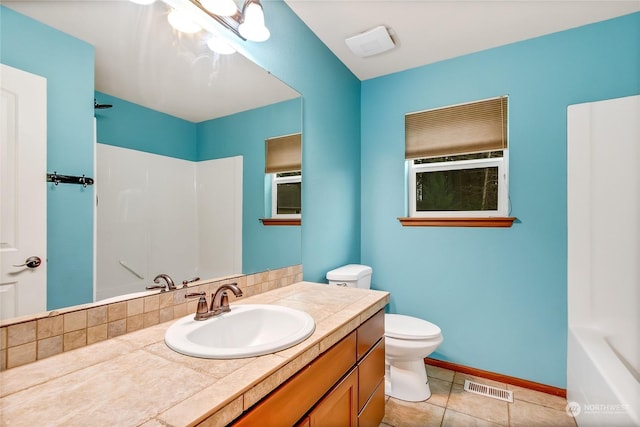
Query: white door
23, 225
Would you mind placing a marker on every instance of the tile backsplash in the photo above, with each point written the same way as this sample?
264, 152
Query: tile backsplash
28, 339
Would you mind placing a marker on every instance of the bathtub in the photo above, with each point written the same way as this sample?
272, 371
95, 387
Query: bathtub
602, 387
603, 274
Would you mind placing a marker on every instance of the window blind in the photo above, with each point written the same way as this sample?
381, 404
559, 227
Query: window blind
283, 153
459, 129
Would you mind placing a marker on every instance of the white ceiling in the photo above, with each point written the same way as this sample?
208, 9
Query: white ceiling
427, 31
141, 59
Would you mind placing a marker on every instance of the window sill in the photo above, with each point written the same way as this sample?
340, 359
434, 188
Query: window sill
281, 221
457, 222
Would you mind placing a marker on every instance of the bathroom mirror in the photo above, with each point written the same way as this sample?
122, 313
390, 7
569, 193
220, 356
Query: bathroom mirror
142, 63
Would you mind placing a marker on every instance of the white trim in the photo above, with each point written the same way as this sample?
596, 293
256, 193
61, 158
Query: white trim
95, 209
503, 186
275, 180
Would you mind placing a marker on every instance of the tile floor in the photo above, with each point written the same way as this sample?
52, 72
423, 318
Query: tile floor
450, 405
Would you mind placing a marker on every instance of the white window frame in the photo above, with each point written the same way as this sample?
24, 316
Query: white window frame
275, 180
503, 186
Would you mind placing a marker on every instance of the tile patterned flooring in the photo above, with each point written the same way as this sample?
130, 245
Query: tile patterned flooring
451, 406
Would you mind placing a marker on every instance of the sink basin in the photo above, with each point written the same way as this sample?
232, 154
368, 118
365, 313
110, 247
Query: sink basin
246, 331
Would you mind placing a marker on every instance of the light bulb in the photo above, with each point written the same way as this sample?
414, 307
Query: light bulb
220, 7
218, 45
253, 28
182, 22
143, 2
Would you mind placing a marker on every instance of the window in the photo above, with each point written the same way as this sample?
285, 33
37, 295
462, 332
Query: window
465, 185
457, 160
283, 164
286, 194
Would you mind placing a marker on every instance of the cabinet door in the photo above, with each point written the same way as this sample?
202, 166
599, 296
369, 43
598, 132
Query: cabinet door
339, 407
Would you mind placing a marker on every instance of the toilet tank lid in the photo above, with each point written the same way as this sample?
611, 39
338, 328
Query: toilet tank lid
349, 272
409, 328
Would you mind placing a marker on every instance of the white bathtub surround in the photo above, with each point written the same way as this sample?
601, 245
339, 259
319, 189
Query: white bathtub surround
603, 181
154, 216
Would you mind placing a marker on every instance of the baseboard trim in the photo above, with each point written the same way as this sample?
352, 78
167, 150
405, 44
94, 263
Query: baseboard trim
556, 391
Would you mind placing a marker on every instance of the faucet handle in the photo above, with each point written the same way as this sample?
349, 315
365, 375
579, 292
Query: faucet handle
203, 308
195, 294
187, 281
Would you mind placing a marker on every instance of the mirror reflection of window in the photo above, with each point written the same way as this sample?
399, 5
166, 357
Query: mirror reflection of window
286, 194
283, 163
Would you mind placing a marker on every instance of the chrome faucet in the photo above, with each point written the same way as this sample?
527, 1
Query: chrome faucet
168, 286
219, 302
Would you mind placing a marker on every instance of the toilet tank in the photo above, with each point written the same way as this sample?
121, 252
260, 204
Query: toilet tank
352, 275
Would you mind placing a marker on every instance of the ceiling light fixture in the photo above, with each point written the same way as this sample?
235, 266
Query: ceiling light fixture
252, 27
248, 23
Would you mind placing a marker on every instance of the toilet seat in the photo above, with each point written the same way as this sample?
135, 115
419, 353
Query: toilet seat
409, 328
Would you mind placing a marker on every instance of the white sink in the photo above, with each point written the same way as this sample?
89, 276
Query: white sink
246, 331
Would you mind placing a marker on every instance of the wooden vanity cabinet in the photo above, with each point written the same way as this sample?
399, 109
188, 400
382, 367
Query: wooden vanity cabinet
344, 386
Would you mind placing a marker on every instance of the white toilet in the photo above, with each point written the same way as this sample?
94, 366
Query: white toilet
408, 340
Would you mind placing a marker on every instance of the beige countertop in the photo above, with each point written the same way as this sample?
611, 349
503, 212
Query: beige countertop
136, 380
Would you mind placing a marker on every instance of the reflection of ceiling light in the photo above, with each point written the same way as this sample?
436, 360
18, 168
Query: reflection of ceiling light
220, 46
143, 2
220, 7
181, 21
252, 27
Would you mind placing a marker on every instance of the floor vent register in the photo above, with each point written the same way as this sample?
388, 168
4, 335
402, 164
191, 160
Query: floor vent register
489, 391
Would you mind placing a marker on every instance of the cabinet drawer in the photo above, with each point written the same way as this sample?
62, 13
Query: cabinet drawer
370, 373
370, 332
373, 412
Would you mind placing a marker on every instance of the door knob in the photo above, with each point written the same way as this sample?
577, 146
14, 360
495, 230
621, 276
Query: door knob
31, 262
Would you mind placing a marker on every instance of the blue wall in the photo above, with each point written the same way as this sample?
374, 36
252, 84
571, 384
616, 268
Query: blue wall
243, 134
331, 137
67, 64
133, 126
499, 295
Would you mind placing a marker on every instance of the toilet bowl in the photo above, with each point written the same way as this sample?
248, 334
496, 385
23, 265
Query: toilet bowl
408, 340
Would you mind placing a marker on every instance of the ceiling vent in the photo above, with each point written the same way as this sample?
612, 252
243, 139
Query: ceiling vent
372, 42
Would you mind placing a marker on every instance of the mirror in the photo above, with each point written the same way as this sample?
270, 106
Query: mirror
224, 107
